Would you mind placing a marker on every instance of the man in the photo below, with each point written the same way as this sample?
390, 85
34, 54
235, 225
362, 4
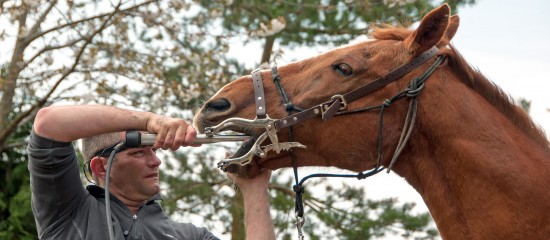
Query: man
63, 209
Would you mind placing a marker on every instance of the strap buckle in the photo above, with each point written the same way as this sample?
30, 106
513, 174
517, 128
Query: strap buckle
343, 101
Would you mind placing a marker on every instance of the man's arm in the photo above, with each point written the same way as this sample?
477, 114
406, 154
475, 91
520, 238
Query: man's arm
258, 223
69, 123
55, 180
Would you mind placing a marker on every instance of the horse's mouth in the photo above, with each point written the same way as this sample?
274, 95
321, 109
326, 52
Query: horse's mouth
248, 143
245, 147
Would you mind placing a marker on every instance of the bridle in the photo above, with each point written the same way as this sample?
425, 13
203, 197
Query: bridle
337, 105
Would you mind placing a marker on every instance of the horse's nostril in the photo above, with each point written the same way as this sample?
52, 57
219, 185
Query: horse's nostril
218, 105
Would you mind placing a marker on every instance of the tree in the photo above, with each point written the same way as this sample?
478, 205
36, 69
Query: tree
113, 51
165, 56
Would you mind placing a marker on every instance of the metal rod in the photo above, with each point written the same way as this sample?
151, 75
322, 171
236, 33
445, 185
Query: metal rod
149, 139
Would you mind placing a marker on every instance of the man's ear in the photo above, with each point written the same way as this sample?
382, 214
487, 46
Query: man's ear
99, 166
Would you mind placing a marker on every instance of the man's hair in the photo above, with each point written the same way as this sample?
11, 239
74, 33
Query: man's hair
94, 144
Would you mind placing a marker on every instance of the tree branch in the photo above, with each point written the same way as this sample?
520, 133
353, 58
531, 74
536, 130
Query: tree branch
39, 34
12, 145
4, 133
2, 6
50, 48
34, 29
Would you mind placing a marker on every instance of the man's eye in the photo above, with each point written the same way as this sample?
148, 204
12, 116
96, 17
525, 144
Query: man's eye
136, 153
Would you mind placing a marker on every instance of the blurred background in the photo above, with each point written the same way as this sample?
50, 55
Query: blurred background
169, 56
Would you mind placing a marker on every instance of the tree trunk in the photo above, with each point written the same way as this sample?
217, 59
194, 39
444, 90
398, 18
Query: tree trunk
237, 215
8, 85
268, 48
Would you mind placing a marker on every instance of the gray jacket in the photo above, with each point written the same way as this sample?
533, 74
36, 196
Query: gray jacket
63, 209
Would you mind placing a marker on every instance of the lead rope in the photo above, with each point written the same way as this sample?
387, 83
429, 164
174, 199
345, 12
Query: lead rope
290, 107
414, 89
298, 189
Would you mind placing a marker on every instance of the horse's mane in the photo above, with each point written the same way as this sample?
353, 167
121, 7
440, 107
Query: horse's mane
474, 79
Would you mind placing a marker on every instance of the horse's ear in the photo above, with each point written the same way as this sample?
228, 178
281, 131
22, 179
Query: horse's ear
431, 30
451, 30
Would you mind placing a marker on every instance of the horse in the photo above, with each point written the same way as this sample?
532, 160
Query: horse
481, 165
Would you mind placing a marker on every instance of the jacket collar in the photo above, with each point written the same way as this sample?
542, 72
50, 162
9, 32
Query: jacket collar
99, 192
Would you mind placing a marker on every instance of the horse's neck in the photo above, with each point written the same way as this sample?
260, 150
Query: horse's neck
480, 176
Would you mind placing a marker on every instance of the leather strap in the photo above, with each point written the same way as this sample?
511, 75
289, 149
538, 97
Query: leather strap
392, 76
259, 95
329, 108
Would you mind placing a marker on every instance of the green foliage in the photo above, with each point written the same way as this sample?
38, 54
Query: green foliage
17, 221
525, 104
346, 213
314, 22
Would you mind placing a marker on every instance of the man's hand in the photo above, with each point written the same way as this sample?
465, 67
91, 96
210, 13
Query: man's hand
259, 225
172, 133
258, 183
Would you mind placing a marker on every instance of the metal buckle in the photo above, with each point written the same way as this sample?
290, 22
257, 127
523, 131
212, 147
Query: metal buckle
323, 107
342, 99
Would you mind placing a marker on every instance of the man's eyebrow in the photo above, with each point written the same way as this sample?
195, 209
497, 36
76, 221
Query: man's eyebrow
135, 148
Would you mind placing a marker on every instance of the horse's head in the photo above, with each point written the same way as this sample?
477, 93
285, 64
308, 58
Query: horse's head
349, 141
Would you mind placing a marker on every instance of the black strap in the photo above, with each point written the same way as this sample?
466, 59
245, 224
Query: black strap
328, 109
289, 106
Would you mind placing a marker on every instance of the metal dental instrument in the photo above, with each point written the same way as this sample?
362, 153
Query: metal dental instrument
256, 149
135, 138
149, 139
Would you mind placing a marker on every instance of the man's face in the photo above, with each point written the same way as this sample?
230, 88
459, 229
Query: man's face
135, 174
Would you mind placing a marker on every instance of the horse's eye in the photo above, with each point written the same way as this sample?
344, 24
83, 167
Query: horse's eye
343, 69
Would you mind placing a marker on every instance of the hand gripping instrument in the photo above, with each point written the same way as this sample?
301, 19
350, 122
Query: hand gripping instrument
211, 135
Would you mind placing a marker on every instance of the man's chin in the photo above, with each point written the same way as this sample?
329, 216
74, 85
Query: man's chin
152, 189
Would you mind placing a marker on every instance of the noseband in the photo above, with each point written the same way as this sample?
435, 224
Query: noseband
337, 105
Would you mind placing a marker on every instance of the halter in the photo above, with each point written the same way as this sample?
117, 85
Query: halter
337, 105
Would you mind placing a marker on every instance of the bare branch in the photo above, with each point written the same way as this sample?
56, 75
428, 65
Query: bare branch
38, 77
39, 21
50, 48
12, 145
282, 189
2, 6
39, 34
4, 133
28, 118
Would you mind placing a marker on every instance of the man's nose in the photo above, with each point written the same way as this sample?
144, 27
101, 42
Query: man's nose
153, 160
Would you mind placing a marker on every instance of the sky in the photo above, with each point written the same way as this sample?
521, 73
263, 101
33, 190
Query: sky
508, 42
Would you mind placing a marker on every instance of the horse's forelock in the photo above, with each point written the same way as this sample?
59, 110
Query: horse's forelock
389, 32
